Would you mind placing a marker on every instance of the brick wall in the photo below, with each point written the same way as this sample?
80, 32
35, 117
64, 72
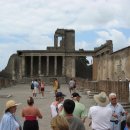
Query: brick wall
121, 88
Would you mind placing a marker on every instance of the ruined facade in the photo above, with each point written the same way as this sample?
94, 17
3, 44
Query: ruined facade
60, 60
57, 61
109, 65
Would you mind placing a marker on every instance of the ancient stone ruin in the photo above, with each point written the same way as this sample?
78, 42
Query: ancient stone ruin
60, 61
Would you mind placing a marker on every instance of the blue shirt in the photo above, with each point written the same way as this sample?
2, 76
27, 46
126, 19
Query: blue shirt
8, 122
126, 128
118, 109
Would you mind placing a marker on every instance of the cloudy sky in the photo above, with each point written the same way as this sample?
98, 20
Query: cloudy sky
30, 24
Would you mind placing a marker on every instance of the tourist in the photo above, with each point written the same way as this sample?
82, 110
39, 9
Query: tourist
39, 85
127, 80
71, 85
57, 105
55, 85
9, 121
79, 110
36, 85
75, 85
100, 114
42, 88
31, 113
74, 122
32, 87
59, 123
118, 112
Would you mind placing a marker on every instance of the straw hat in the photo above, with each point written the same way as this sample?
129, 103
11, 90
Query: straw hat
101, 99
11, 103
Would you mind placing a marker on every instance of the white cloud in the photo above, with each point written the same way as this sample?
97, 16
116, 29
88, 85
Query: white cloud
28, 24
82, 45
118, 38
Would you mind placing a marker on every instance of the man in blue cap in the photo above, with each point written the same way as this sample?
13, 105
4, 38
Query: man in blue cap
56, 106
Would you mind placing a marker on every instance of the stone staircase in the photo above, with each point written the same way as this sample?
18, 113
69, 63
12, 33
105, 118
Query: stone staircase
92, 93
87, 92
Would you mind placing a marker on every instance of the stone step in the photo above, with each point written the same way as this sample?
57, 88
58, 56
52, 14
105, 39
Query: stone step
124, 103
92, 93
126, 106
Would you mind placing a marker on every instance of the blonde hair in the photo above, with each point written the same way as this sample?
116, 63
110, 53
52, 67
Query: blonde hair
59, 123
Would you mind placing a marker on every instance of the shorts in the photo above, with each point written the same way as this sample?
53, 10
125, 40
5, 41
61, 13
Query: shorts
42, 89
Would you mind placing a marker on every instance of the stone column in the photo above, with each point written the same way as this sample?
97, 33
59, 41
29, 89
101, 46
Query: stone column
23, 66
31, 66
95, 68
63, 65
73, 67
55, 66
39, 71
47, 66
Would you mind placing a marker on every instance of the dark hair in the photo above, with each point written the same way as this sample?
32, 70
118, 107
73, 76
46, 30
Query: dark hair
69, 106
7, 110
30, 101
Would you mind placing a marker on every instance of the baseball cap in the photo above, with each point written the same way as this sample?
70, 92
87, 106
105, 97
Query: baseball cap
60, 94
75, 95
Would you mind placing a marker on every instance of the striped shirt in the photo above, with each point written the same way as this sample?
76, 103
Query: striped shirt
8, 122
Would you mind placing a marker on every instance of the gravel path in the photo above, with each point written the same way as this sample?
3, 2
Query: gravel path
21, 92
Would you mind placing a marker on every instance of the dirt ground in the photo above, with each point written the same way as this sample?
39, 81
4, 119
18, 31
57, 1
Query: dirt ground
21, 92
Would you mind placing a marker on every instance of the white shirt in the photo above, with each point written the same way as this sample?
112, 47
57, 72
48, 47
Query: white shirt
71, 83
100, 117
54, 107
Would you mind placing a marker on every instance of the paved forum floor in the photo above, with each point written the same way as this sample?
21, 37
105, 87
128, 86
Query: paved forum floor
21, 92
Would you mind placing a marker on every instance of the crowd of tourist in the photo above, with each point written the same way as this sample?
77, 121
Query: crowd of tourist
67, 114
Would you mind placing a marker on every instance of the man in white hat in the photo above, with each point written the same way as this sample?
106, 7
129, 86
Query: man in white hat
100, 114
8, 121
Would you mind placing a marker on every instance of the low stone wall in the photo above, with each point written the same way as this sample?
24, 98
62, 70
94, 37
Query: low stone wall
6, 82
121, 88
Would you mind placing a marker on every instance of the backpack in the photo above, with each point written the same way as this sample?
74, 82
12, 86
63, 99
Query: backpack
32, 86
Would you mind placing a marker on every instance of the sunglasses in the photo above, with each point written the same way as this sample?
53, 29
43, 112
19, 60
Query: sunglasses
113, 99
